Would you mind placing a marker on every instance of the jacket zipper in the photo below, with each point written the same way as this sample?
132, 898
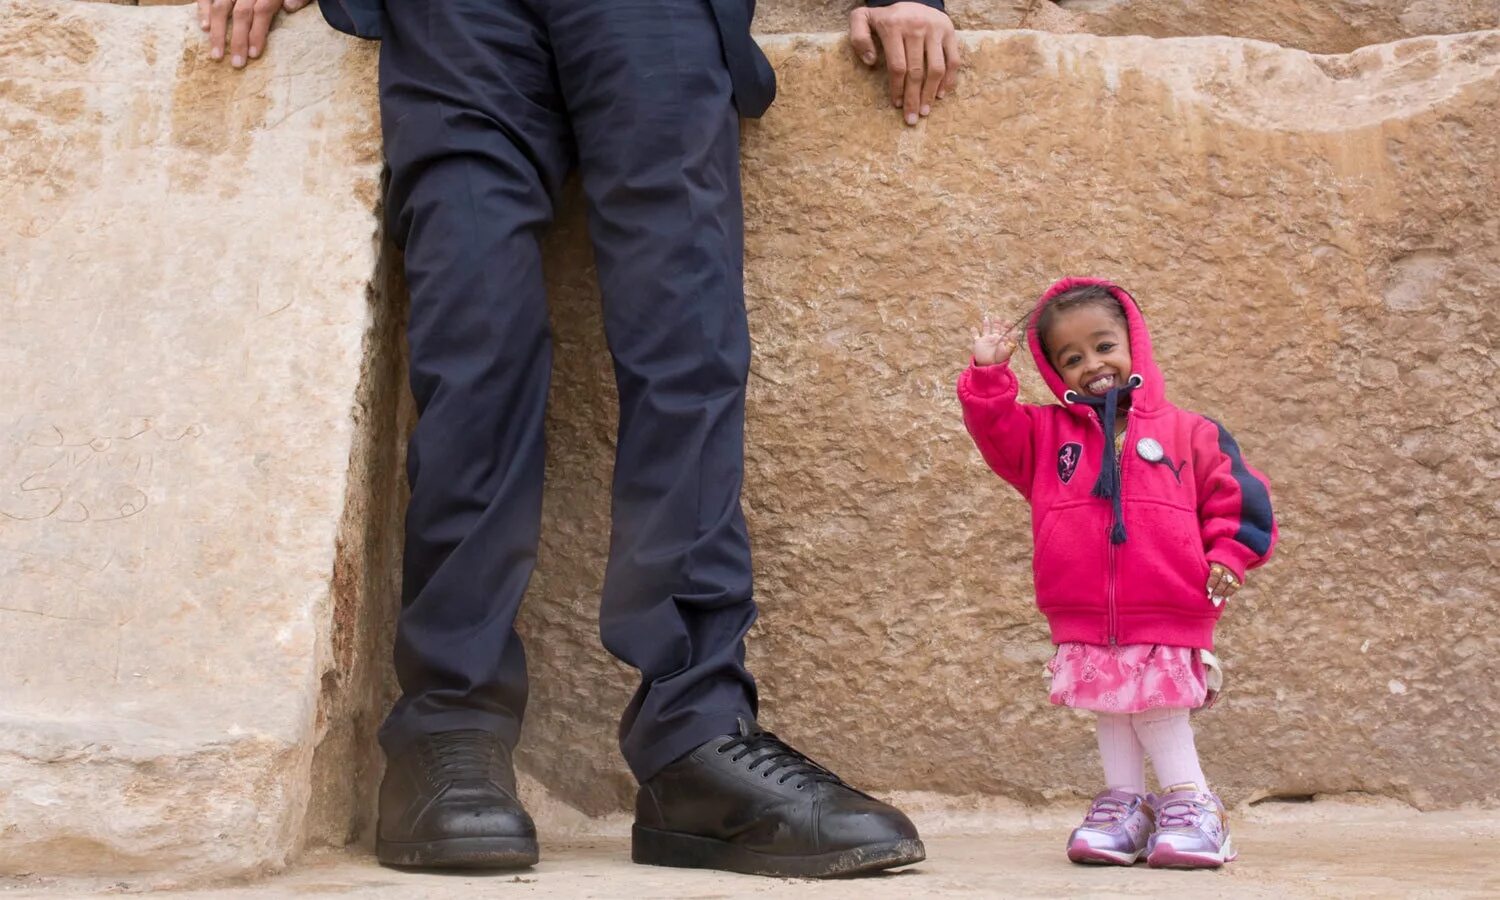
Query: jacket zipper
1113, 639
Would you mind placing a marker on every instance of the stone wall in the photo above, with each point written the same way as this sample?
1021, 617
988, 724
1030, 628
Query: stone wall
199, 443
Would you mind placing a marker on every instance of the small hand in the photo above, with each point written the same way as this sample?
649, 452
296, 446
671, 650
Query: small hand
1221, 583
991, 345
921, 52
244, 22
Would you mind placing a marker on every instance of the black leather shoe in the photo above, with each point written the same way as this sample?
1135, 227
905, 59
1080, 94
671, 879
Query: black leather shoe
450, 803
749, 803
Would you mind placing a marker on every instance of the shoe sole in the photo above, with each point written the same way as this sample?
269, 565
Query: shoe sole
1080, 852
459, 853
651, 847
1165, 856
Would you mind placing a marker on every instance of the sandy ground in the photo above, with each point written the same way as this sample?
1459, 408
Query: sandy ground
1323, 849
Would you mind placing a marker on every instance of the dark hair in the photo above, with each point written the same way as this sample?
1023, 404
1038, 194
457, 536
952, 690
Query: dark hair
1077, 298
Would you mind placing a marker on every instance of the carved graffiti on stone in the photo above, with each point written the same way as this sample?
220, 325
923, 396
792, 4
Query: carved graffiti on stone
66, 474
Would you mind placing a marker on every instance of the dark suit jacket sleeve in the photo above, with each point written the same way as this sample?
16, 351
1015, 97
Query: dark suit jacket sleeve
360, 18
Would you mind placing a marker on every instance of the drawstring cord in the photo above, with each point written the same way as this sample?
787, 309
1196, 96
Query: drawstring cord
1107, 486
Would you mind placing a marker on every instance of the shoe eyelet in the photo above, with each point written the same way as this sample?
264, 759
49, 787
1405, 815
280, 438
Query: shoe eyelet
766, 774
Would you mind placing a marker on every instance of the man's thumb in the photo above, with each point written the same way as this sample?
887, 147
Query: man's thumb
859, 35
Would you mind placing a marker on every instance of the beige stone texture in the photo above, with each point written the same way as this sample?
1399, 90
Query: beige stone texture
199, 434
1333, 26
188, 499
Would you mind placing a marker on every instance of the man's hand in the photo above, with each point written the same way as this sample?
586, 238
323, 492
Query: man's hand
991, 345
1221, 583
244, 22
921, 52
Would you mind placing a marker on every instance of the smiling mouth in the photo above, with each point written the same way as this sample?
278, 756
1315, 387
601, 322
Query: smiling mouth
1101, 385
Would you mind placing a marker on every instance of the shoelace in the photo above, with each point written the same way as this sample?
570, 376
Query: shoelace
776, 755
464, 754
1107, 809
1188, 814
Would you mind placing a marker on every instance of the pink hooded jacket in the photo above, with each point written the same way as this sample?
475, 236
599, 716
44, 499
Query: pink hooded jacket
1185, 498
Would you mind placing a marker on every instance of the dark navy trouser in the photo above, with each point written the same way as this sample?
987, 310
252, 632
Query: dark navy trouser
487, 104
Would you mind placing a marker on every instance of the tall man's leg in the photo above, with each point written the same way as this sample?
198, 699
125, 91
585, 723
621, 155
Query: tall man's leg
477, 147
649, 95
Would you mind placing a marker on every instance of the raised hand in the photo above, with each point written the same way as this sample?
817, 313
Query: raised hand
992, 346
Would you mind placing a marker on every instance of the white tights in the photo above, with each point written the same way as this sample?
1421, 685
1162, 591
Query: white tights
1126, 739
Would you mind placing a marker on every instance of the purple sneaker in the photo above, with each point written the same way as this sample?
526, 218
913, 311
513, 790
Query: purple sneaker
1192, 832
1114, 832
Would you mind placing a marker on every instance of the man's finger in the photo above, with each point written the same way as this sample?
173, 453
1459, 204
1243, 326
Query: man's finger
860, 37
936, 72
895, 64
915, 70
952, 59
203, 10
218, 26
265, 11
239, 32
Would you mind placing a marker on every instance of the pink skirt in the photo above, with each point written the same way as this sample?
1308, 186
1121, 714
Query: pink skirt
1133, 678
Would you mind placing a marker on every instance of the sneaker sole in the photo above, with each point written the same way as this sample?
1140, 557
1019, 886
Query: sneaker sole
1080, 852
459, 853
1166, 856
651, 847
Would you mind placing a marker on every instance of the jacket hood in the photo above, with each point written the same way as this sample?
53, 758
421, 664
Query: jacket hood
1149, 394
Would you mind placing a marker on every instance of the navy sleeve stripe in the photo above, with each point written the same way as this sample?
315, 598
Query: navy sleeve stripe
1255, 510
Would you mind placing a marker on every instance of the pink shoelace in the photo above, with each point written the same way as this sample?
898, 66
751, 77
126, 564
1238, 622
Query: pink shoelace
1181, 814
1107, 810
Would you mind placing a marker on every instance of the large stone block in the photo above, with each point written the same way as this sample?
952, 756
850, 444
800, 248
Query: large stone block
1315, 243
186, 469
1337, 26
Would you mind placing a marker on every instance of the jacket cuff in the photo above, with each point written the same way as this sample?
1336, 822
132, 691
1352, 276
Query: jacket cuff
1234, 556
988, 381
935, 4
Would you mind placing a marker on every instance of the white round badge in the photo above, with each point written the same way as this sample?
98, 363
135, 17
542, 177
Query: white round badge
1149, 450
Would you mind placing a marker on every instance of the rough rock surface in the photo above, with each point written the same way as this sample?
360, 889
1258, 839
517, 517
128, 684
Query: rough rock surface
186, 256
1335, 26
197, 613
1332, 26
